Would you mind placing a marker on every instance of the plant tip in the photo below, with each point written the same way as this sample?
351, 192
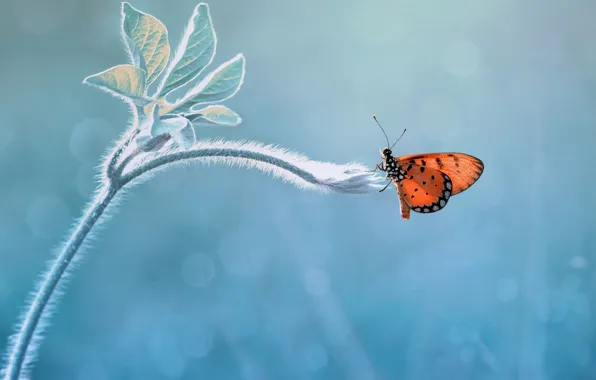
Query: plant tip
201, 7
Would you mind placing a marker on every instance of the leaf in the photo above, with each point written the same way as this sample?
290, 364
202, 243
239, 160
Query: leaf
135, 54
168, 124
150, 114
147, 41
124, 81
216, 114
164, 107
185, 137
194, 52
221, 84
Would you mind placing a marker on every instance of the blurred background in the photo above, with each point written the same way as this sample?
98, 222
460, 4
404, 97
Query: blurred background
223, 273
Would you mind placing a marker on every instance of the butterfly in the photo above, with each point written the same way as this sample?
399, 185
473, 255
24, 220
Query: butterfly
425, 182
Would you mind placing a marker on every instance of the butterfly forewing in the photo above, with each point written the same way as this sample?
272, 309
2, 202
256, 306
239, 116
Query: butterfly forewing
463, 169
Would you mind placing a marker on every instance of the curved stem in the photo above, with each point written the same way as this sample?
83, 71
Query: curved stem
216, 152
117, 172
118, 152
51, 280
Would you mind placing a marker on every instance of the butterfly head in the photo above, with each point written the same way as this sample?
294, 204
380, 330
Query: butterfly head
388, 160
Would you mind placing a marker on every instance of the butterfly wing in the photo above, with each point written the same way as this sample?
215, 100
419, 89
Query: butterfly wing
403, 205
424, 189
463, 169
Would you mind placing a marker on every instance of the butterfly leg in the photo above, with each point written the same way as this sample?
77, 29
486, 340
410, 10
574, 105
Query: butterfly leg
386, 186
377, 167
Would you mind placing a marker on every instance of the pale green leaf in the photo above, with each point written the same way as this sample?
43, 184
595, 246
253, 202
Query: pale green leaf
168, 124
215, 115
218, 86
194, 52
124, 81
185, 137
147, 41
149, 116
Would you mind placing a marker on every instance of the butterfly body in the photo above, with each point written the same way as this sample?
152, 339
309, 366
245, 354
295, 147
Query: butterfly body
391, 167
426, 182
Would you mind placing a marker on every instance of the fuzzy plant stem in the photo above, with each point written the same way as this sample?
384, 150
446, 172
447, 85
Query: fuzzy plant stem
118, 152
351, 178
182, 156
24, 338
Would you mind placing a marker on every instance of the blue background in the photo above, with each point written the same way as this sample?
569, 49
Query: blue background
222, 273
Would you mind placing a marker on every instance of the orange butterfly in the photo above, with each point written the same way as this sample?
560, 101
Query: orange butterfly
426, 182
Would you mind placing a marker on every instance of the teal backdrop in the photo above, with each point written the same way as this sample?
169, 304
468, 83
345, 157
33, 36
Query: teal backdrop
212, 272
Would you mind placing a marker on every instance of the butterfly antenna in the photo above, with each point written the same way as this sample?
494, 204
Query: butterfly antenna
402, 135
379, 124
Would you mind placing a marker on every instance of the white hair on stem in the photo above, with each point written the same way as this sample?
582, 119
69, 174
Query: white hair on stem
351, 178
24, 344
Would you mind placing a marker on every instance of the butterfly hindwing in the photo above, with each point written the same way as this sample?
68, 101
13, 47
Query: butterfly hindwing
463, 169
403, 205
424, 189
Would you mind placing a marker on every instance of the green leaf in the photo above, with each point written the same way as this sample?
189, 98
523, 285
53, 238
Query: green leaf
194, 52
123, 81
218, 86
168, 124
147, 41
185, 137
215, 115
